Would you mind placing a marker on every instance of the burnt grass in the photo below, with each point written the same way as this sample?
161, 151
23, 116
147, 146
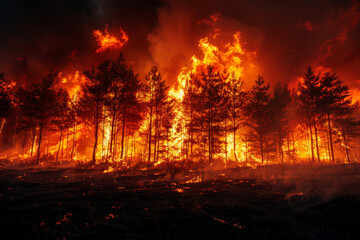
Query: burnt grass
273, 202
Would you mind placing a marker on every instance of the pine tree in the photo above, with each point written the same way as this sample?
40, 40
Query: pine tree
336, 106
38, 104
211, 103
156, 98
278, 107
257, 113
62, 118
91, 102
310, 91
236, 108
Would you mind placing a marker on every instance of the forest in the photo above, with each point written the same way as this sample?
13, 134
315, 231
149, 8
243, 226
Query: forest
115, 117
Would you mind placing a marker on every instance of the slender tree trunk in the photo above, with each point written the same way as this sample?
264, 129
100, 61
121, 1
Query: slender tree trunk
24, 142
261, 139
312, 144
151, 109
345, 143
40, 138
167, 144
33, 141
327, 143
316, 140
96, 120
95, 144
210, 159
234, 133
57, 153
288, 148
112, 130
191, 132
103, 154
225, 142
123, 132
280, 146
67, 144
16, 125
73, 142
331, 141
155, 135
115, 141
158, 141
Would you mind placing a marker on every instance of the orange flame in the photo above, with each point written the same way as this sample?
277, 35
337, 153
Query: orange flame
106, 41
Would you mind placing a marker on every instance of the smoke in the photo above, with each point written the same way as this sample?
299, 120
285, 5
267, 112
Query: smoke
287, 35
347, 20
42, 35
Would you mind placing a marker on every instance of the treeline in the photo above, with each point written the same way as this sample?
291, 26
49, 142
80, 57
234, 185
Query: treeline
116, 117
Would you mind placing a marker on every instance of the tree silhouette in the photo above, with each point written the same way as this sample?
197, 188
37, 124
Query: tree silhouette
257, 110
236, 107
156, 96
91, 102
38, 103
278, 107
336, 105
310, 91
62, 119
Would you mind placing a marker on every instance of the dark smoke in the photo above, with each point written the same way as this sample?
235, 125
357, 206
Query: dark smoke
287, 35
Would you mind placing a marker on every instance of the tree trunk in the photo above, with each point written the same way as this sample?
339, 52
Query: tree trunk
57, 153
16, 125
151, 109
73, 145
95, 144
261, 139
112, 131
316, 140
39, 143
312, 144
331, 141
123, 132
234, 133
345, 143
225, 142
24, 142
155, 135
33, 141
115, 141
96, 121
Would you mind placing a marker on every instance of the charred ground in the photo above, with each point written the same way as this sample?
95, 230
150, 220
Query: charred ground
270, 202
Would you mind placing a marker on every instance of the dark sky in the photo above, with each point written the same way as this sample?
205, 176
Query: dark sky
287, 35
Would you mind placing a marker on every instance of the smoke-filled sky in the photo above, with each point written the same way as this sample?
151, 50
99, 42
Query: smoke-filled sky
286, 35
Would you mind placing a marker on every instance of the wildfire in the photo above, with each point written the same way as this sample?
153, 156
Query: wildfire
229, 59
106, 41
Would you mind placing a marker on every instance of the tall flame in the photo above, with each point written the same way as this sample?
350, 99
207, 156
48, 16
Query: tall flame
106, 41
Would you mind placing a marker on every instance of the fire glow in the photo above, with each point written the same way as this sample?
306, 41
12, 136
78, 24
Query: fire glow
107, 41
163, 126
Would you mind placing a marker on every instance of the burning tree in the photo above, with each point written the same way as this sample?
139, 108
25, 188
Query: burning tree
207, 118
335, 105
38, 105
279, 117
257, 113
156, 90
122, 102
310, 92
92, 101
